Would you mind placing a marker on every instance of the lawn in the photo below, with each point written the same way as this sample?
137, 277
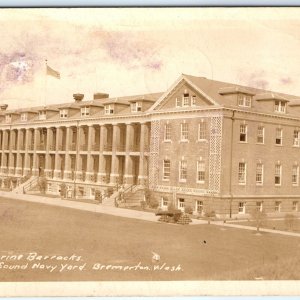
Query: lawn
274, 224
123, 248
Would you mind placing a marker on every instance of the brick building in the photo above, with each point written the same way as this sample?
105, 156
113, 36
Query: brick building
206, 144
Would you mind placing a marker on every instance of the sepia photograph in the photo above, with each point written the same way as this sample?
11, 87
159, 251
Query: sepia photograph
149, 146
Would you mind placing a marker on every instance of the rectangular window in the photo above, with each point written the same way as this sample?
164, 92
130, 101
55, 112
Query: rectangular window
186, 98
200, 171
24, 117
259, 206
193, 100
242, 207
63, 113
296, 138
242, 173
108, 109
259, 174
202, 131
167, 135
178, 102
184, 132
183, 170
166, 169
8, 118
164, 202
244, 100
243, 133
199, 206
85, 111
295, 206
277, 174
135, 107
278, 138
277, 206
280, 106
181, 203
260, 134
42, 115
295, 175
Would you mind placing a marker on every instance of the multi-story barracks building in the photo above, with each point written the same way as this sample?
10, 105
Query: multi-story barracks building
203, 143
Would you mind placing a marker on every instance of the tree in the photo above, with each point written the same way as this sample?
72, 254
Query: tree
289, 221
42, 183
63, 190
258, 216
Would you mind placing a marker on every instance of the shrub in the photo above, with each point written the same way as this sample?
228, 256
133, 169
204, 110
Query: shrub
63, 190
210, 214
153, 203
188, 209
289, 221
42, 183
171, 206
143, 204
259, 217
177, 215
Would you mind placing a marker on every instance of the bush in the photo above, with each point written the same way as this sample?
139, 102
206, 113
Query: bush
188, 209
42, 184
143, 204
259, 217
63, 190
210, 214
289, 221
153, 203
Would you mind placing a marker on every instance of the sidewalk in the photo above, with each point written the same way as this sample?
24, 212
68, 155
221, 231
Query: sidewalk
95, 208
220, 223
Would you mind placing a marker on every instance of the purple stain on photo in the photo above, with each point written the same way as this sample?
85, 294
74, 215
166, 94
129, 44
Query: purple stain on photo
16, 68
156, 65
286, 80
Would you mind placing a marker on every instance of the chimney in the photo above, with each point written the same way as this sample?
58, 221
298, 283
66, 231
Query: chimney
98, 96
3, 106
78, 97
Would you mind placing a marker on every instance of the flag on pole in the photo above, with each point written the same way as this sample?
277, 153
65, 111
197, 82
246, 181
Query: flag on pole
52, 72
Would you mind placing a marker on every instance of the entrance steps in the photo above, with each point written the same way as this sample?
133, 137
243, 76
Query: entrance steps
25, 186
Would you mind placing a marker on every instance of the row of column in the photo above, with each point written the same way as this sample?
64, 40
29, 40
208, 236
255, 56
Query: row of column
28, 143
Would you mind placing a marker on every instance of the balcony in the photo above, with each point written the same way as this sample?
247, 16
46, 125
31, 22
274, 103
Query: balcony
41, 147
83, 147
30, 147
107, 148
73, 147
134, 148
93, 177
121, 148
61, 148
95, 147
81, 176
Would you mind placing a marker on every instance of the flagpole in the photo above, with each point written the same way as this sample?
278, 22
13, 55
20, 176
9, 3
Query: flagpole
45, 83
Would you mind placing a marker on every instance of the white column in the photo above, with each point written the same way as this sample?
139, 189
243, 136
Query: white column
57, 169
35, 169
89, 164
67, 172
102, 168
128, 173
114, 175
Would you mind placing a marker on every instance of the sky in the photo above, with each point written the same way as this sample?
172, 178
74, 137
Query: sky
131, 51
